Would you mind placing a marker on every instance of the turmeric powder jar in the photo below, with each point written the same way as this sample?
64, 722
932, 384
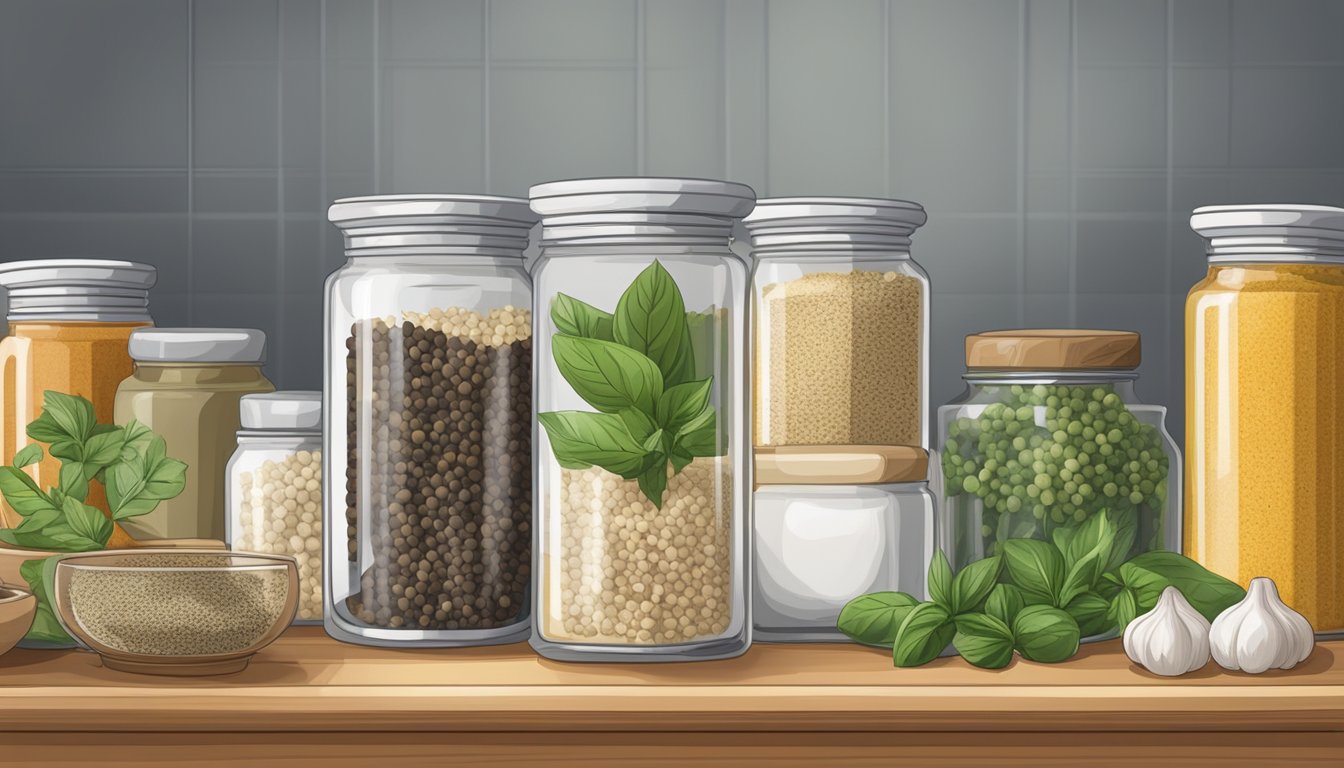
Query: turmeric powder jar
1265, 403
69, 322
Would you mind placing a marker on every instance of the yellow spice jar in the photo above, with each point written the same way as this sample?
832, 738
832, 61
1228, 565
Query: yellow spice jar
1265, 403
186, 387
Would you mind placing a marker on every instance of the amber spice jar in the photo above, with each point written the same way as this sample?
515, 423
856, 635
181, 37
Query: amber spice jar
69, 323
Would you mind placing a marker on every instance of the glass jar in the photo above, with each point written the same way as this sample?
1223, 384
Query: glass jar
185, 386
1048, 434
273, 487
641, 457
69, 321
428, 422
841, 322
833, 523
1264, 375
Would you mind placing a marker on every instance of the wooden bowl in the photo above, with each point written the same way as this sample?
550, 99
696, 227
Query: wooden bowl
176, 612
17, 608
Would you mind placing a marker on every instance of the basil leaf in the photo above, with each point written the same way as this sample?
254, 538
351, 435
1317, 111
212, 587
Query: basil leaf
925, 632
577, 318
30, 454
64, 416
651, 318
87, 521
1062, 536
709, 342
1123, 609
700, 436
606, 375
1090, 611
1037, 568
940, 581
875, 618
983, 640
1207, 592
136, 487
1004, 603
136, 437
1125, 523
974, 582
1045, 634
680, 404
580, 437
1089, 551
653, 482
680, 458
639, 425
66, 449
72, 480
104, 448
22, 493
45, 625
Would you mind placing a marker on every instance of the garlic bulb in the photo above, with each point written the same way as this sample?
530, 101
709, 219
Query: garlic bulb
1260, 632
1171, 639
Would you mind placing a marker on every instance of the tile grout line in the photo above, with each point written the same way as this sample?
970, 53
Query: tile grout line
322, 133
887, 183
486, 52
377, 98
765, 97
1174, 373
277, 344
641, 87
1073, 161
191, 157
1022, 117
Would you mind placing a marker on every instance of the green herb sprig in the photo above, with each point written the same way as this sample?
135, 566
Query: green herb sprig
1037, 598
130, 461
648, 380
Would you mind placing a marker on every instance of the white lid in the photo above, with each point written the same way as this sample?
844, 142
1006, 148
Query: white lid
297, 410
198, 345
639, 208
95, 290
783, 224
390, 225
1271, 232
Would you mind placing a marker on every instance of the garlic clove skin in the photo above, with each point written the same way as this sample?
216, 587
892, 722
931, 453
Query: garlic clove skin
1260, 632
1169, 640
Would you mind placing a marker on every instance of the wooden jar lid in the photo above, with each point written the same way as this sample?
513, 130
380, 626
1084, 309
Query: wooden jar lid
840, 464
1052, 349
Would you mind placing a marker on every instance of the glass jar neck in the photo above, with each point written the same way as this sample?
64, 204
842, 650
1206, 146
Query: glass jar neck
70, 330
197, 374
648, 247
820, 255
440, 258
291, 439
1122, 381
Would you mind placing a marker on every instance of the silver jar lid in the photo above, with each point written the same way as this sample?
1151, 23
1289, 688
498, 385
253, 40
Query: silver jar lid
639, 209
198, 345
427, 225
1271, 233
291, 411
785, 224
92, 290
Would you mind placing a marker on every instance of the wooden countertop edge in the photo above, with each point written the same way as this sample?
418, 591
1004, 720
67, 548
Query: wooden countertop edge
674, 708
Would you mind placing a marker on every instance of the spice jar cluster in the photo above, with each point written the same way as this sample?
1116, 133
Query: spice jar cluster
646, 448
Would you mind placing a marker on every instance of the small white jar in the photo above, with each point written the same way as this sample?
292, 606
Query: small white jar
273, 487
832, 523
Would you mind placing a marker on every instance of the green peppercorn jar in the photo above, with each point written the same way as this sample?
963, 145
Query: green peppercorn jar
1049, 434
642, 452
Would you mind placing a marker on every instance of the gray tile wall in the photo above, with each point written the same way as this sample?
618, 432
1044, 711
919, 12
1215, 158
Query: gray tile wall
1058, 144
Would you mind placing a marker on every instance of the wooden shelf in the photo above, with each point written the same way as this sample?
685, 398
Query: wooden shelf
308, 700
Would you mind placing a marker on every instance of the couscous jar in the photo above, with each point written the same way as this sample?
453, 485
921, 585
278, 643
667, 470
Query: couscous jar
1264, 398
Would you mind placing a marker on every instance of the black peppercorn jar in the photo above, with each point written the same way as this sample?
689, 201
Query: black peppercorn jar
427, 474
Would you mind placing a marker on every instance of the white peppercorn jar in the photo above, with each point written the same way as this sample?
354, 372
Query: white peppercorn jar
833, 523
273, 487
841, 314
642, 462
428, 439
